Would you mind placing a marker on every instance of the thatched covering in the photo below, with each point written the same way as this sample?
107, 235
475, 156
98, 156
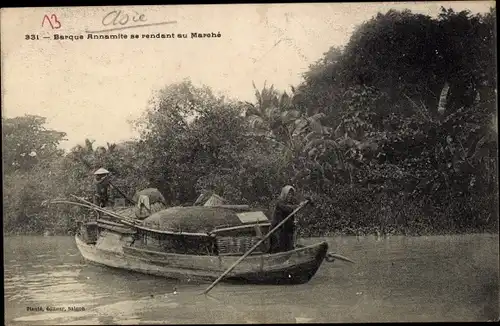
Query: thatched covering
192, 219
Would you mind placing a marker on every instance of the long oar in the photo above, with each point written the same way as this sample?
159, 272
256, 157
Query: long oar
98, 208
118, 217
304, 203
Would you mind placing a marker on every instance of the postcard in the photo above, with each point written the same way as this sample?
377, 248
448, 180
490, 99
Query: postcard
250, 163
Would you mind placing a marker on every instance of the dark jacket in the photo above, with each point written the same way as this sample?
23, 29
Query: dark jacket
281, 211
101, 191
101, 186
282, 238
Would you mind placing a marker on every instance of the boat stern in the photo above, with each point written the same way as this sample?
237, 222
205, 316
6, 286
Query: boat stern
295, 273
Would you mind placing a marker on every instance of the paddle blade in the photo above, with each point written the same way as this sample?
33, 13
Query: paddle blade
332, 256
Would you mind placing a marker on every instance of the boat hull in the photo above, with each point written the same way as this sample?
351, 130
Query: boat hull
293, 267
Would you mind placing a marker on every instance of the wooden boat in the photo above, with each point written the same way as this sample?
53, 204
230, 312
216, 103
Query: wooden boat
210, 245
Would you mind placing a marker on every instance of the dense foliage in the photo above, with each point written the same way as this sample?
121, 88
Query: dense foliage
394, 133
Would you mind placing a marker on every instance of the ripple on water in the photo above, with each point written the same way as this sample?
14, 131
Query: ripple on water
155, 322
135, 306
15, 297
51, 316
72, 265
66, 273
130, 321
84, 321
44, 255
59, 298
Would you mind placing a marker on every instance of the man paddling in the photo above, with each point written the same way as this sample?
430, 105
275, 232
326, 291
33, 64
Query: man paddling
101, 183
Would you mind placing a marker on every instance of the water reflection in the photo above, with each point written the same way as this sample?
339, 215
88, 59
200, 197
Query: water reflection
395, 279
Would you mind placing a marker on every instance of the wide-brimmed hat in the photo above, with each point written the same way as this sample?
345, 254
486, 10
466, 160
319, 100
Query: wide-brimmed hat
101, 171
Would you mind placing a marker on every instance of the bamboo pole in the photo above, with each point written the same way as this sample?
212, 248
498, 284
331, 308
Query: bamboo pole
304, 203
95, 207
111, 213
124, 220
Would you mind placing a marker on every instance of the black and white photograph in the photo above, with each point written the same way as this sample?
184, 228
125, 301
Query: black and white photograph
250, 163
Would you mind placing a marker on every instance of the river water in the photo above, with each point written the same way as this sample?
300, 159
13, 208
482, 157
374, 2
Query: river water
438, 278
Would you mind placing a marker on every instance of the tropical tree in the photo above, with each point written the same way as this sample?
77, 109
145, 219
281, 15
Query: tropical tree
27, 142
273, 115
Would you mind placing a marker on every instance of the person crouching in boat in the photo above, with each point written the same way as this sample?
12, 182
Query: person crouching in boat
101, 183
283, 238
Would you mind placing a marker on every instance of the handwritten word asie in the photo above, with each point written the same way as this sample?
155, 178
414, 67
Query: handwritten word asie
121, 18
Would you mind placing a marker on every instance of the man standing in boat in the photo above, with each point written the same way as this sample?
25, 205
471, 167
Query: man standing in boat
283, 238
101, 183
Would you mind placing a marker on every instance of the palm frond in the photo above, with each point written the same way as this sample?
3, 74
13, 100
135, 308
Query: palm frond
443, 98
289, 116
89, 145
285, 101
256, 122
258, 95
251, 109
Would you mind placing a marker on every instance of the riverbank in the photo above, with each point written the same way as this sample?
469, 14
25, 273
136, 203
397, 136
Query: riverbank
394, 230
329, 216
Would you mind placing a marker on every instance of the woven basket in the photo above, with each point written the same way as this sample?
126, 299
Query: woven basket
240, 245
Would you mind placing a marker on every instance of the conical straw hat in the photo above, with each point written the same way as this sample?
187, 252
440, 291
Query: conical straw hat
101, 171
